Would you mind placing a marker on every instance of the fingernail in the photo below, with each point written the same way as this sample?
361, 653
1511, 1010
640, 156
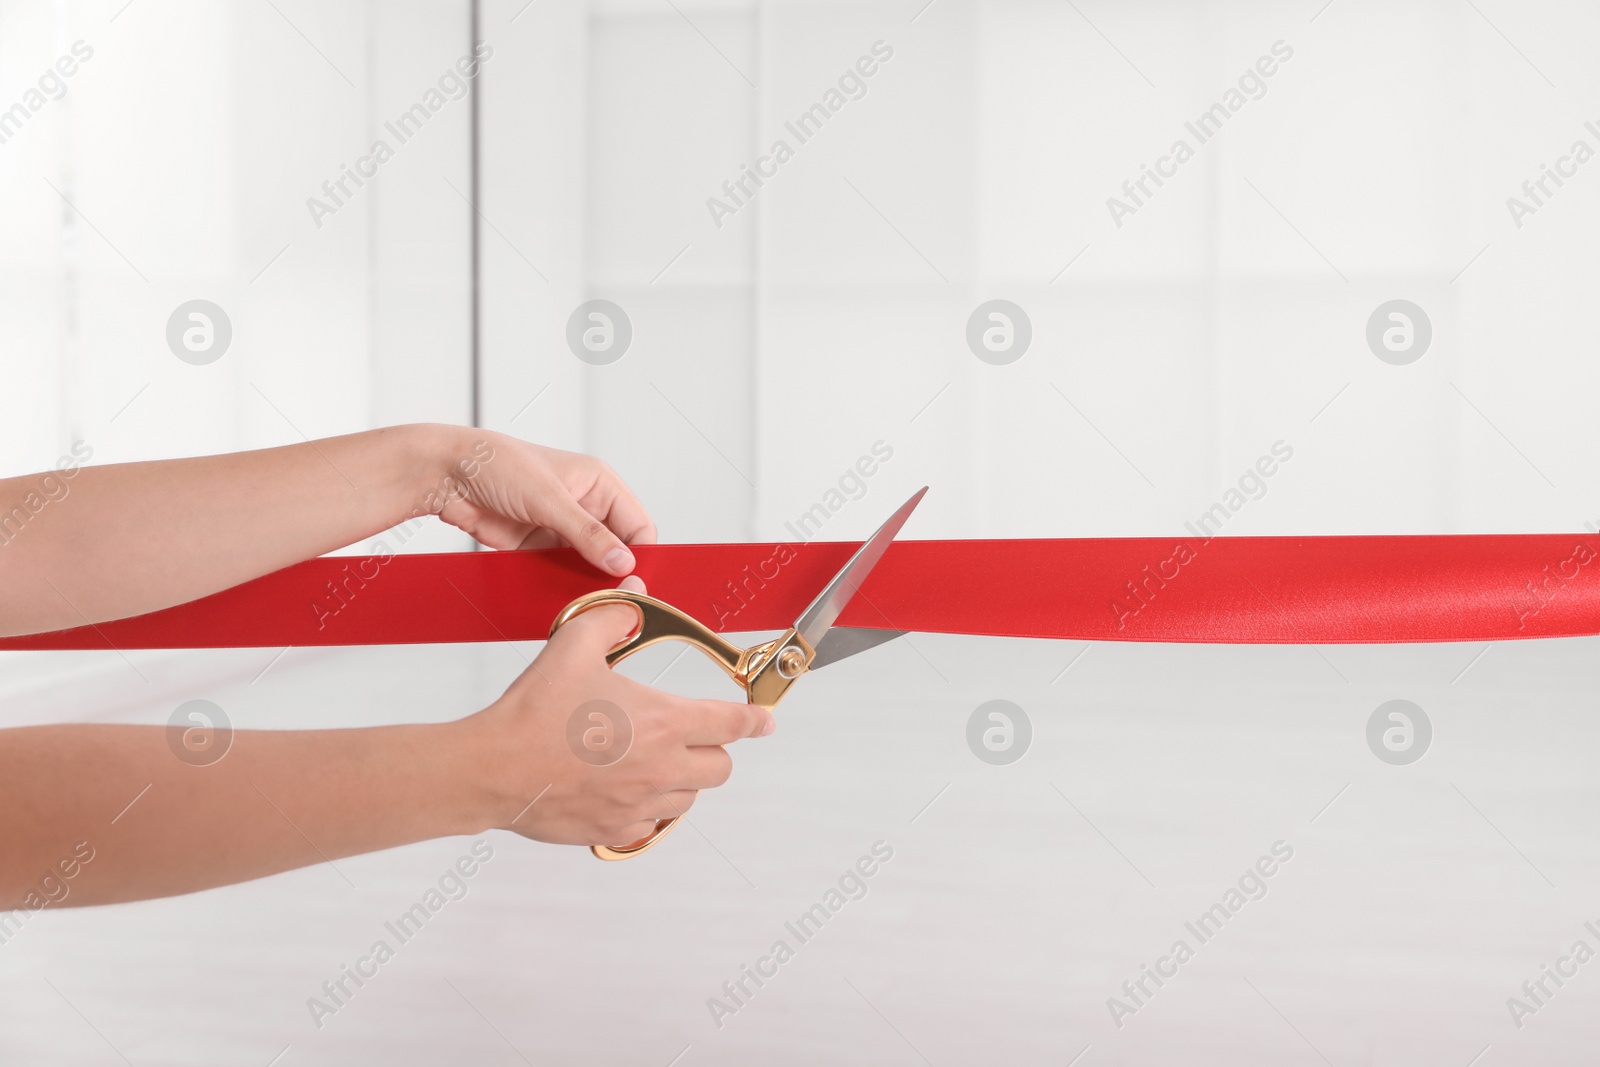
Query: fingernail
772, 724
619, 561
632, 584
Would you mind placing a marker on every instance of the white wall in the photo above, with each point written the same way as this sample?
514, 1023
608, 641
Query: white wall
775, 350
189, 144
1220, 318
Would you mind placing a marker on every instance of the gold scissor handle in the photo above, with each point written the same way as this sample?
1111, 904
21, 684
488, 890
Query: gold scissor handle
764, 671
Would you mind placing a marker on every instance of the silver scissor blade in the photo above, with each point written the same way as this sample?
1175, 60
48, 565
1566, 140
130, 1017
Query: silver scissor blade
842, 642
817, 619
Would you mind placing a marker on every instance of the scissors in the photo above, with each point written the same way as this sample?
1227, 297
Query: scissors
766, 671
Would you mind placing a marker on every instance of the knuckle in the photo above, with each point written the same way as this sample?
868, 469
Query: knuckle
599, 617
617, 614
674, 719
657, 725
592, 530
742, 719
715, 719
655, 738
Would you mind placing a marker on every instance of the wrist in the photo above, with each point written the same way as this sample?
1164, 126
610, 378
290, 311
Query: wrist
466, 768
432, 456
430, 451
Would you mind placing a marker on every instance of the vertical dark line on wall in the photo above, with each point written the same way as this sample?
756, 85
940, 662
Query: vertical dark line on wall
758, 293
475, 164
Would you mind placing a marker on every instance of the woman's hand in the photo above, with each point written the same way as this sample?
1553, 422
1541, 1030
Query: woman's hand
508, 493
586, 756
536, 761
582, 755
84, 544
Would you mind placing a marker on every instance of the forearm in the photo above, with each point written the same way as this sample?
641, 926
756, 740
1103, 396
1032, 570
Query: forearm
124, 539
158, 826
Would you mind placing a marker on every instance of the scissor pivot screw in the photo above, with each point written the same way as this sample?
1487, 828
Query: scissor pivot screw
791, 661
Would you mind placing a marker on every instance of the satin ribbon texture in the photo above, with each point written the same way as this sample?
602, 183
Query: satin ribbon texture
1231, 590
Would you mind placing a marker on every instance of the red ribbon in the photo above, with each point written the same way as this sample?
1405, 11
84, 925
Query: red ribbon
1236, 590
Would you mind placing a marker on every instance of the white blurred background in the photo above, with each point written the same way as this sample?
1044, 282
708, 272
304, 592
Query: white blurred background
829, 313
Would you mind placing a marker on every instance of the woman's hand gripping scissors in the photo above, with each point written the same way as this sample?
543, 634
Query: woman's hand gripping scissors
766, 671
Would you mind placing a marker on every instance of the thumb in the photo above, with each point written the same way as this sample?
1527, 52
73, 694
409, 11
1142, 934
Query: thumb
591, 537
596, 631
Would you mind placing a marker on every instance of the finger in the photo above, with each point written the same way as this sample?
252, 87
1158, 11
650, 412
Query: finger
590, 536
718, 722
627, 517
596, 631
610, 500
489, 529
706, 767
633, 584
540, 537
